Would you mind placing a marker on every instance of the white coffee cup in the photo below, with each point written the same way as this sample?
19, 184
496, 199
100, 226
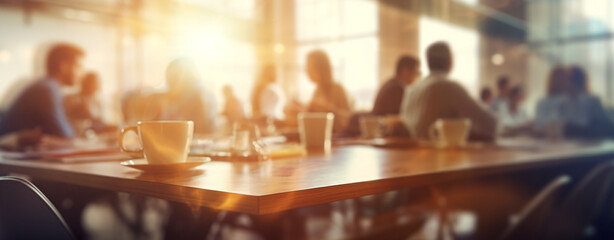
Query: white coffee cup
316, 130
450, 132
162, 142
372, 126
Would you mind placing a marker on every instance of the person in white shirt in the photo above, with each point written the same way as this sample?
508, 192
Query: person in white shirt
502, 98
268, 99
438, 97
513, 117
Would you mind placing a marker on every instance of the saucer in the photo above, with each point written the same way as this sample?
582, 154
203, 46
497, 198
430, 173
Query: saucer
142, 164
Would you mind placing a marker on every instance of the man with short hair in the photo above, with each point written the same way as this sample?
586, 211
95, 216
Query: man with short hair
41, 104
438, 97
390, 95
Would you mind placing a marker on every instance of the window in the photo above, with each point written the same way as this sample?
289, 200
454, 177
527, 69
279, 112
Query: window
573, 32
464, 44
347, 31
221, 59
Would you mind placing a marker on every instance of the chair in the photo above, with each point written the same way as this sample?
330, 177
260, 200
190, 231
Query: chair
577, 214
524, 225
25, 213
528, 223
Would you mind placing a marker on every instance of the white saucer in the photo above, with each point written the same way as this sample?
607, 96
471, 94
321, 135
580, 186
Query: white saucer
142, 164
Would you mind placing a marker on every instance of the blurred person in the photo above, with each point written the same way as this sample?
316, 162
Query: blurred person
513, 117
513, 114
550, 108
40, 105
438, 97
186, 99
83, 107
390, 95
38, 114
583, 112
503, 89
233, 109
486, 96
329, 96
268, 99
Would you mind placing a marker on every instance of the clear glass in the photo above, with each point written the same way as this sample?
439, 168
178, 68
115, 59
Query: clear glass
246, 142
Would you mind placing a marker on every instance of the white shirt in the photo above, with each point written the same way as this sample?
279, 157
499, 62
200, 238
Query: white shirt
436, 97
509, 119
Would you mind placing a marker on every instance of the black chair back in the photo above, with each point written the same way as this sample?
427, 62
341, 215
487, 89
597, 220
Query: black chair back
576, 215
25, 213
527, 224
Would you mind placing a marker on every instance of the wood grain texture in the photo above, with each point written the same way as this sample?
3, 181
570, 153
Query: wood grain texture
347, 172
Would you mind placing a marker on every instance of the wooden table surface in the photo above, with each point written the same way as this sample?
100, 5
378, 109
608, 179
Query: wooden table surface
347, 172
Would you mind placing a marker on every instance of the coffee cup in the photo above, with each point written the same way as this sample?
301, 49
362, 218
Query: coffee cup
316, 130
450, 132
162, 142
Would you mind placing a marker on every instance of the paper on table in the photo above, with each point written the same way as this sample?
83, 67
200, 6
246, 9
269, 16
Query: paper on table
276, 151
286, 150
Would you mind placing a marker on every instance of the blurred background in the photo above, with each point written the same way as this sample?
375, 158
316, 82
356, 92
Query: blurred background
129, 43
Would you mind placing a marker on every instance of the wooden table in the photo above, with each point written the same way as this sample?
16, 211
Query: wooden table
347, 172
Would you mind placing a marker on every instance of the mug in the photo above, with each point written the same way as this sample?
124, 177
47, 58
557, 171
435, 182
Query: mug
162, 142
316, 130
450, 132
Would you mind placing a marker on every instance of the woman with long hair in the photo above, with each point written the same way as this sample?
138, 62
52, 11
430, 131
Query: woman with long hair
329, 96
549, 109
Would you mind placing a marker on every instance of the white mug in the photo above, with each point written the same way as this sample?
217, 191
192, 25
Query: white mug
316, 130
162, 142
450, 132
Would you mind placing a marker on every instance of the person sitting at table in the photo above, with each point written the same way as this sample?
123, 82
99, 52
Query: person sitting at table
437, 97
186, 99
268, 99
570, 105
40, 105
584, 114
512, 117
83, 108
503, 89
329, 96
390, 95
549, 108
